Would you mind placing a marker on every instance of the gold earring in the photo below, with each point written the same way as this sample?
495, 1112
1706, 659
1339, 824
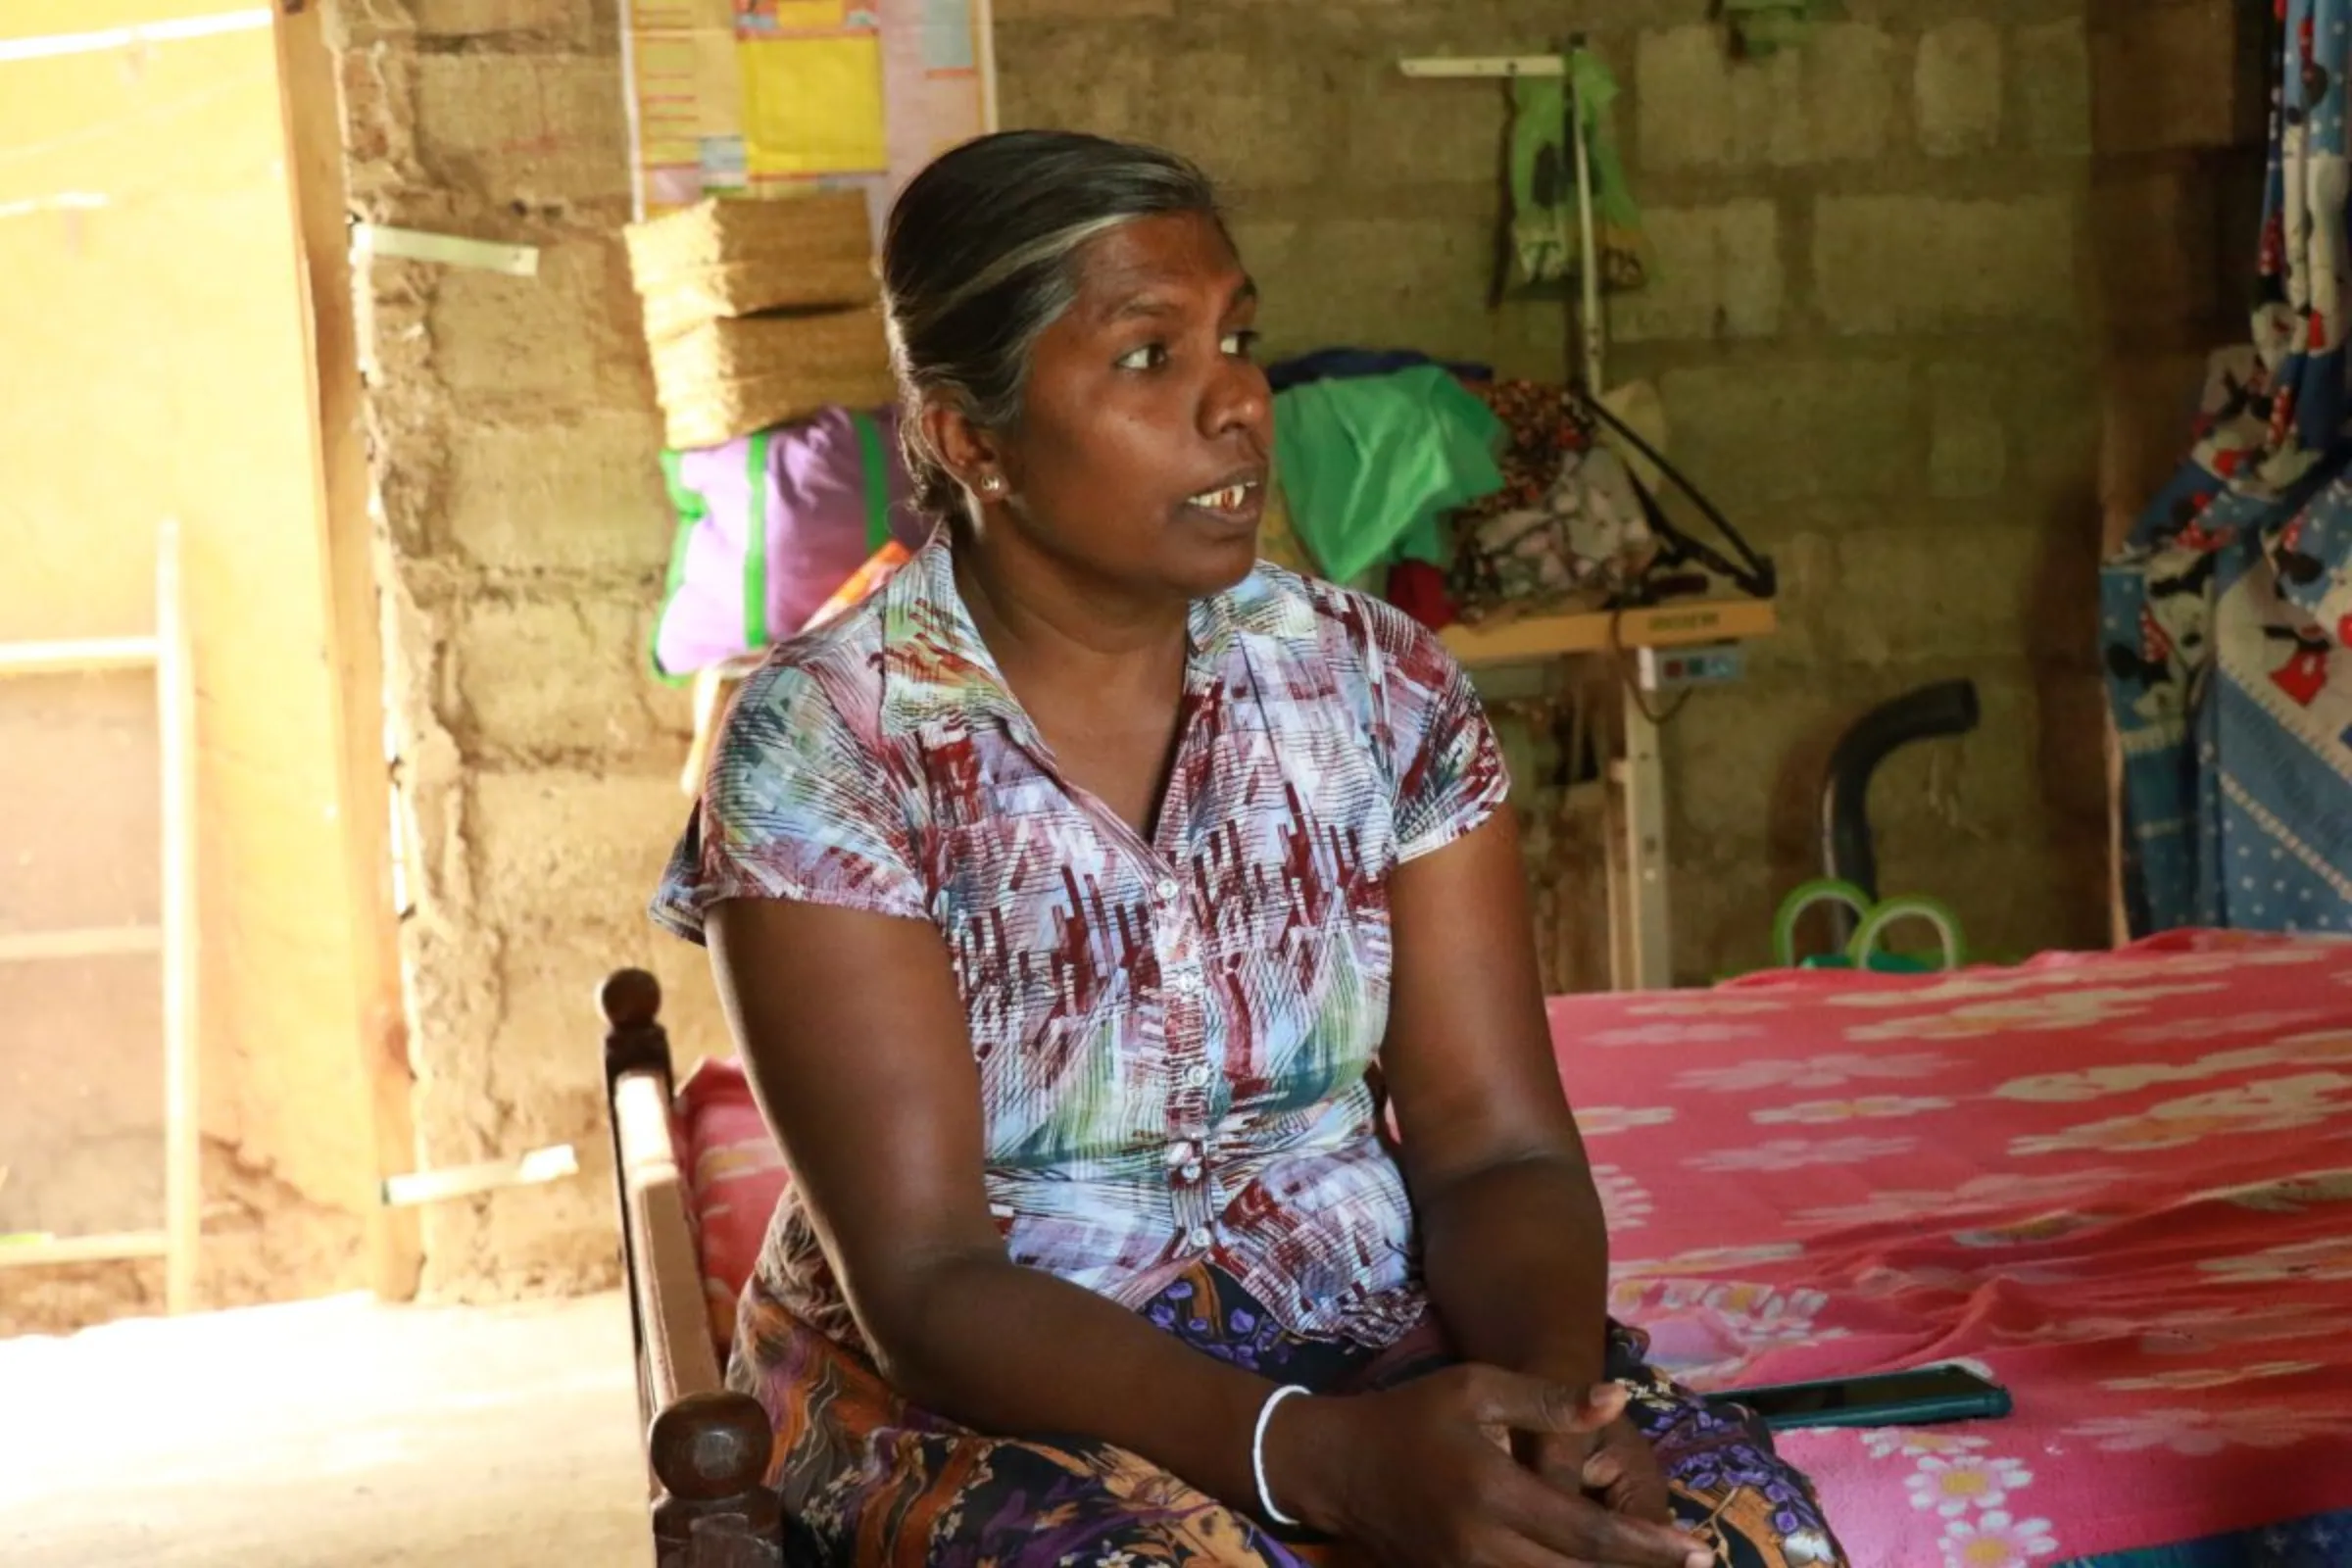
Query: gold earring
992, 484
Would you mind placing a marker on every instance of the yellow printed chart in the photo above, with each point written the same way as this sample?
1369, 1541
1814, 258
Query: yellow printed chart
768, 97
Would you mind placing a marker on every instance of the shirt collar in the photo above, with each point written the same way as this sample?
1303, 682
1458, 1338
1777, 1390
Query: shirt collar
1262, 604
934, 666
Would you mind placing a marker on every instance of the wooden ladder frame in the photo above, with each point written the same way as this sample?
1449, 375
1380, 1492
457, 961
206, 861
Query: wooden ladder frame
167, 654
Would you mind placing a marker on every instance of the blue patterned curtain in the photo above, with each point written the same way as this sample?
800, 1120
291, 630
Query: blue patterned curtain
2227, 614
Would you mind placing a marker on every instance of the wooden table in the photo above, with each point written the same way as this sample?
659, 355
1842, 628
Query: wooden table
1641, 915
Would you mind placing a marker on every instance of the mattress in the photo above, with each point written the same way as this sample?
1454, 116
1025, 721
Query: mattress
2120, 1184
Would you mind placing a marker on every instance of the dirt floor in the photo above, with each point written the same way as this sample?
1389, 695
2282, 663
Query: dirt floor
334, 1433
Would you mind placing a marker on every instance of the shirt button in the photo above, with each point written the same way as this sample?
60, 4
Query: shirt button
1166, 888
1199, 1238
1197, 1076
1190, 1171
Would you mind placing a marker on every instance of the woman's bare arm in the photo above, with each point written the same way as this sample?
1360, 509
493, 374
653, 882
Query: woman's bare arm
854, 1037
1517, 1254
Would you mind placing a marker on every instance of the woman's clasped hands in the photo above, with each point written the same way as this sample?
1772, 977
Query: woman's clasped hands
1475, 1467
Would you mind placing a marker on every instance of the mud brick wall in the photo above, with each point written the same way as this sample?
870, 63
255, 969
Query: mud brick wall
1892, 338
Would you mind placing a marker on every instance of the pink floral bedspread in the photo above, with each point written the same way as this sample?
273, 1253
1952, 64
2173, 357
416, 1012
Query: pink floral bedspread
2120, 1184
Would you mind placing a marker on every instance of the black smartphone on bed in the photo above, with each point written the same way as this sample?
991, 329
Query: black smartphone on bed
1918, 1398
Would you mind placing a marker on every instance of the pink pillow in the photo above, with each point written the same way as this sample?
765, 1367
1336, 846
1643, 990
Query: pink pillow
734, 1176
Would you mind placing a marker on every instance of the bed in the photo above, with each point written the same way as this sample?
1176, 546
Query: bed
2120, 1182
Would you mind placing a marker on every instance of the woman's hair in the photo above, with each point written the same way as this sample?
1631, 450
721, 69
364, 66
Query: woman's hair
980, 258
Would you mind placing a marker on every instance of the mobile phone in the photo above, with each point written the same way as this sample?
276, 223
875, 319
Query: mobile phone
1919, 1397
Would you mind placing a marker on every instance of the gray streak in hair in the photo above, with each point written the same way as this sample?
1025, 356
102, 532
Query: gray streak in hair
979, 261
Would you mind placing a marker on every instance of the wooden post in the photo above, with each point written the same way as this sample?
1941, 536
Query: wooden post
176, 728
313, 137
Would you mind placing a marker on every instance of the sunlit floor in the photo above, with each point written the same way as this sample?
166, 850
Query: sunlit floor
326, 1434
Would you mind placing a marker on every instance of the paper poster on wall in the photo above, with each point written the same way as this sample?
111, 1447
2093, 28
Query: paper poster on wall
767, 97
933, 73
812, 106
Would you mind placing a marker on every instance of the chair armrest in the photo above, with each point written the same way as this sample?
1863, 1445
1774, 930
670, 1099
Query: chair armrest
666, 1273
708, 1447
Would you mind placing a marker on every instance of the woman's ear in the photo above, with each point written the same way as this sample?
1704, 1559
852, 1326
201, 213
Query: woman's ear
969, 454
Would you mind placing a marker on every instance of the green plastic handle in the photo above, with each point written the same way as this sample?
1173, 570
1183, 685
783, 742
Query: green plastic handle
1828, 889
1909, 907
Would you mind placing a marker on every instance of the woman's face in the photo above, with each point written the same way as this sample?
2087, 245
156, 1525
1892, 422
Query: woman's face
1146, 431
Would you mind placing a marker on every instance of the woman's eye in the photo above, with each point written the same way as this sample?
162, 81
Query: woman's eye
1150, 357
1241, 345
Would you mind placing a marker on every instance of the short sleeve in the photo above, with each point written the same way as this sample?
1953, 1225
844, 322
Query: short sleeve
1448, 764
797, 804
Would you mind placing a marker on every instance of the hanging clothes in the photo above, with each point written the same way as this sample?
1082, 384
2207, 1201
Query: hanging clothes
1767, 26
2227, 615
1419, 589
1369, 465
1334, 364
1568, 520
1547, 253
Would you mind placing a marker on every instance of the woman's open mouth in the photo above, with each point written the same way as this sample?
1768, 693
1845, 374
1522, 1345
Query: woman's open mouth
1237, 503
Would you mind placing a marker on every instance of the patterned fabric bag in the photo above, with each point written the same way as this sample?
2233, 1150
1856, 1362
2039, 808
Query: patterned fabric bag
1570, 520
769, 526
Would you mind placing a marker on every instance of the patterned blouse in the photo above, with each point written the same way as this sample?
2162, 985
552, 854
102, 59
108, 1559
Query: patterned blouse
1172, 1036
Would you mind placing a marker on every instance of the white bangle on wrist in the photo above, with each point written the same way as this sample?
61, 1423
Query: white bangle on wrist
1258, 1455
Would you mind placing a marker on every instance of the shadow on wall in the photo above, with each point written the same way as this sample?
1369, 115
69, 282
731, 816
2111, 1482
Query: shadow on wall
2181, 106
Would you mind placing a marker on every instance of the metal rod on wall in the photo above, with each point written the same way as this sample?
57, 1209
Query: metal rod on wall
1588, 243
984, 23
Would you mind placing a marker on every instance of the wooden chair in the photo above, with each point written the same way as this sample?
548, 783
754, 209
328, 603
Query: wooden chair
707, 1448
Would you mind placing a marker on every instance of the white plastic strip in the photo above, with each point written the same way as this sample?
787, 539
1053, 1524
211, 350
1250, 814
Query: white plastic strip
539, 1166
77, 657
65, 201
449, 250
56, 44
1484, 65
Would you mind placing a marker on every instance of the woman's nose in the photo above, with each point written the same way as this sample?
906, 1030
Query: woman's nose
1239, 402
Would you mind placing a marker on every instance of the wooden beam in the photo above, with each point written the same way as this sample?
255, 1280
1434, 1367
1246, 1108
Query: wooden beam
81, 656
184, 1129
54, 1249
308, 94
1685, 623
97, 942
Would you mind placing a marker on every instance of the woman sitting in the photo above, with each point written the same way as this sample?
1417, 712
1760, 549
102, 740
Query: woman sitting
1064, 899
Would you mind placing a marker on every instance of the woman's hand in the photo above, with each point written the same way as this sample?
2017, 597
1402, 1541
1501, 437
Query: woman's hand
1614, 1467
1423, 1477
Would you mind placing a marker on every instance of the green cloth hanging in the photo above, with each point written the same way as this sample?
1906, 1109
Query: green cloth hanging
1369, 464
1545, 256
1767, 26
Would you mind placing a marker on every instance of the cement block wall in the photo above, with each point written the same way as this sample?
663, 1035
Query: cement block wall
2180, 93
1876, 337
1880, 343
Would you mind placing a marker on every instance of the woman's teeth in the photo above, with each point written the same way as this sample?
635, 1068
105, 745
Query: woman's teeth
1230, 499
